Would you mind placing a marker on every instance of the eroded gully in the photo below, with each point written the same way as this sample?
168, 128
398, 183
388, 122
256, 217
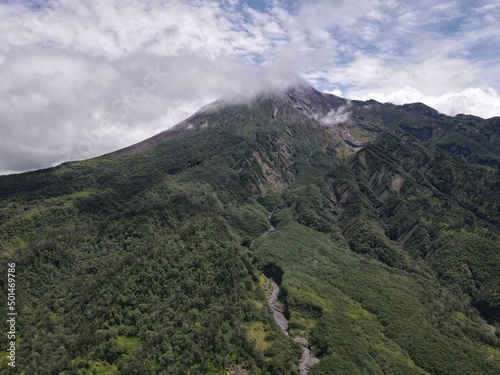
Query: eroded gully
308, 359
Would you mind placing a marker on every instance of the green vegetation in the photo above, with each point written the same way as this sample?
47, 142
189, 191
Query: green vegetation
152, 262
141, 293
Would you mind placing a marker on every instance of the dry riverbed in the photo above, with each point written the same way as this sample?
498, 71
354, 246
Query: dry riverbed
308, 359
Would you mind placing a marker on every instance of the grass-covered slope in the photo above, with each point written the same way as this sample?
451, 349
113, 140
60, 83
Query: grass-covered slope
151, 261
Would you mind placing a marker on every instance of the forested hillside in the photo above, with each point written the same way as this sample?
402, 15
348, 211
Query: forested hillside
385, 233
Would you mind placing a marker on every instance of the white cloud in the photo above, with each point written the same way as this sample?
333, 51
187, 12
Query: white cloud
336, 116
483, 101
82, 65
63, 101
69, 67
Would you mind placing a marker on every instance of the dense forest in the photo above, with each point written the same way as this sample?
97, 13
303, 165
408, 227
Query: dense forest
151, 260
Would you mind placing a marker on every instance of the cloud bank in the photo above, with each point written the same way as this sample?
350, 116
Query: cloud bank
81, 79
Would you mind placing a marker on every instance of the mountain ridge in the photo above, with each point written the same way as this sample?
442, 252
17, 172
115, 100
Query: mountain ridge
303, 103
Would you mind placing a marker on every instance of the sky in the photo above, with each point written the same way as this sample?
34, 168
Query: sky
82, 78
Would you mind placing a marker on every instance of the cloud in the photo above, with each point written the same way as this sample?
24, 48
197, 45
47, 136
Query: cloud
86, 94
64, 100
336, 116
442, 50
475, 100
75, 78
451, 85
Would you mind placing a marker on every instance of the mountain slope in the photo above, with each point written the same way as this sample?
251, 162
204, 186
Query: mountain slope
151, 259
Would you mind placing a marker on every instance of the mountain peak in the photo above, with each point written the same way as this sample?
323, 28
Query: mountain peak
355, 123
293, 97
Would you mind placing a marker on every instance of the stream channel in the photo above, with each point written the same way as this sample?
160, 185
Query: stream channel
308, 359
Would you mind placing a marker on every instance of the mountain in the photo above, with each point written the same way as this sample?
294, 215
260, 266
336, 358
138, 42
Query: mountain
380, 223
358, 123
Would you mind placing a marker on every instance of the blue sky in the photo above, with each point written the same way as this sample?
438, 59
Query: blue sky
72, 74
